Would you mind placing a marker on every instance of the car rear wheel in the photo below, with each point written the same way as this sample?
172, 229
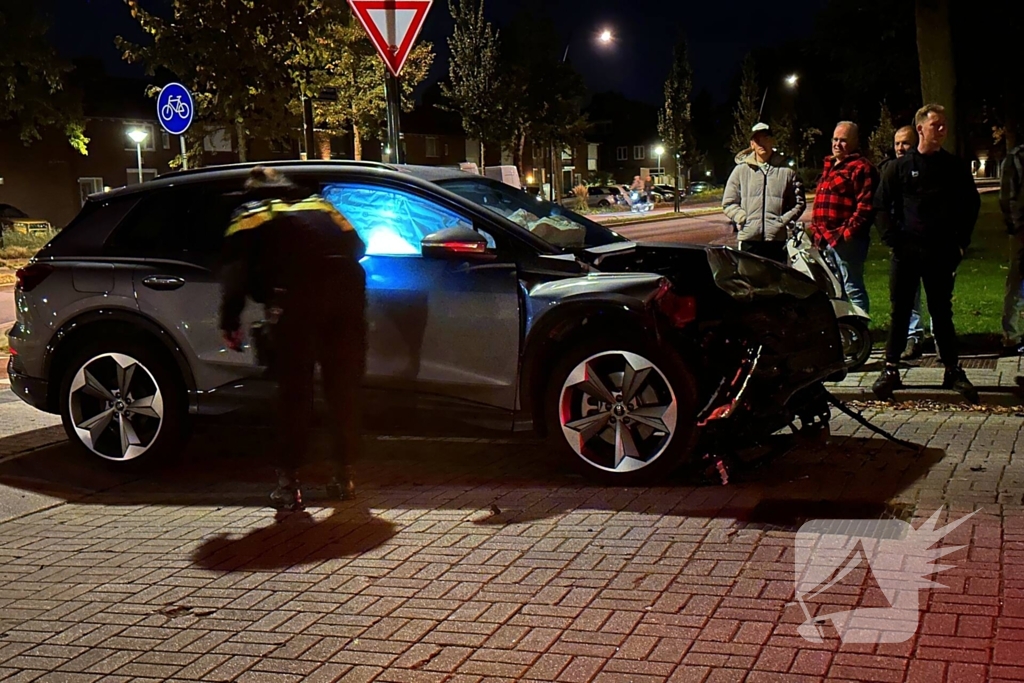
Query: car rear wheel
122, 403
621, 411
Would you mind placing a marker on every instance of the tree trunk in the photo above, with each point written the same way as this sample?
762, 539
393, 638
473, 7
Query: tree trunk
483, 156
935, 54
357, 143
243, 143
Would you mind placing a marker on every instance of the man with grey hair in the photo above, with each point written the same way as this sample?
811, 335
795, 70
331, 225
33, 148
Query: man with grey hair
844, 209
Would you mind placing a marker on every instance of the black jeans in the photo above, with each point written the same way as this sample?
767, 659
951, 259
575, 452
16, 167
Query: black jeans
775, 251
911, 265
336, 339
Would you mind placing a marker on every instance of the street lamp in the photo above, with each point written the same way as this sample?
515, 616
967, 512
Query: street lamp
606, 36
138, 136
792, 80
660, 151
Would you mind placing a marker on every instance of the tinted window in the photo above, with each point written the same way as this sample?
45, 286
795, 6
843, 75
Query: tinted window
186, 223
86, 234
390, 222
554, 224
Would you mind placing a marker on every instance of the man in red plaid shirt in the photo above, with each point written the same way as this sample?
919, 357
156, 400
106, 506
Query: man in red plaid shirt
843, 209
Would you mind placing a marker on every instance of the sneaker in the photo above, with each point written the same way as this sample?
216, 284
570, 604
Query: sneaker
342, 487
287, 497
914, 350
956, 379
888, 382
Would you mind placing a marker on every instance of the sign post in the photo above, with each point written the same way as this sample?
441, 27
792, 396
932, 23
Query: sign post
175, 111
393, 27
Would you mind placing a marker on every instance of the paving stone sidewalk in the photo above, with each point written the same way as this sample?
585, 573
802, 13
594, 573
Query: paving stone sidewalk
995, 378
470, 560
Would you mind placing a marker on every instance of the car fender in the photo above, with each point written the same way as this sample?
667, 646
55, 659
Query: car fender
555, 310
125, 316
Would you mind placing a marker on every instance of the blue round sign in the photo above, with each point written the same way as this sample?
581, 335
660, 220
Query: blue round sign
174, 108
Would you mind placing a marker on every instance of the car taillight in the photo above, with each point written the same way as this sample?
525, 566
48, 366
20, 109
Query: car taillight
32, 275
680, 310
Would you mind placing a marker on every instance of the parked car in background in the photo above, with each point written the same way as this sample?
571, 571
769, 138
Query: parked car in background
700, 186
13, 218
487, 309
597, 198
668, 192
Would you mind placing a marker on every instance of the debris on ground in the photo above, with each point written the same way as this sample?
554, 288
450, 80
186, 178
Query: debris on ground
928, 405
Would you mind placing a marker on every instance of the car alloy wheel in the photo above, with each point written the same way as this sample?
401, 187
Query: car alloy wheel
618, 412
116, 407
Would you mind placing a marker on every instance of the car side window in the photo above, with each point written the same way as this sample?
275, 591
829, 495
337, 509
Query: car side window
187, 223
390, 222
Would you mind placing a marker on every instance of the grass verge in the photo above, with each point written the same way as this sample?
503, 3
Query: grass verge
980, 280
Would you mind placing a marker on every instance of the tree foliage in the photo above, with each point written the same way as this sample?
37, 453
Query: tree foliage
243, 60
880, 144
472, 86
343, 62
34, 79
747, 110
539, 96
675, 121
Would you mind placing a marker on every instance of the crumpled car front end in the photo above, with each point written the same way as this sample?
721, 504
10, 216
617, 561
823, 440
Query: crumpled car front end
767, 339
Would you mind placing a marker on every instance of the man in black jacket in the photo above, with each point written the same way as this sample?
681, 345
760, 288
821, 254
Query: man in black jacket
927, 207
299, 257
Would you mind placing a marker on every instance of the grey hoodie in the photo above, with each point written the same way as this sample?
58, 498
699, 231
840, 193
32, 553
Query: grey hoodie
763, 202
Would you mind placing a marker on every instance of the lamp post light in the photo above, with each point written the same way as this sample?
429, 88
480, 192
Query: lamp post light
792, 80
660, 151
138, 136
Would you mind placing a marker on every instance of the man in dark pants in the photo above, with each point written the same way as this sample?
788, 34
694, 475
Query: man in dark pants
927, 208
299, 257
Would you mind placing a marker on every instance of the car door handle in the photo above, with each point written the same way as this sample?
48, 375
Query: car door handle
163, 283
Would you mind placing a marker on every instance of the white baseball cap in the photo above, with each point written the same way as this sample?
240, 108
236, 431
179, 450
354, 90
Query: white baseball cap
761, 128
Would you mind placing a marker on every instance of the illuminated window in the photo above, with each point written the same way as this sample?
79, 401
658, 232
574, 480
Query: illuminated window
390, 222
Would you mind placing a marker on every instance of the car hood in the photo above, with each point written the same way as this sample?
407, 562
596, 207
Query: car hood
692, 268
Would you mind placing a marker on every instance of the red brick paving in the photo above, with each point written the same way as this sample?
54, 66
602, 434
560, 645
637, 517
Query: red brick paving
186, 577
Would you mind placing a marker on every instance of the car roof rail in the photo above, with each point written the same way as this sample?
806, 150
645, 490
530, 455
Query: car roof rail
345, 163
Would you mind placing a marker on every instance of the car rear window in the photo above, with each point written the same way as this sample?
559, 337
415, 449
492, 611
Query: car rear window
90, 229
183, 222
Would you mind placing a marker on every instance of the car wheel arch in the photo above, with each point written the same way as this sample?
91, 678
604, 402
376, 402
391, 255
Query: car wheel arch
561, 327
97, 324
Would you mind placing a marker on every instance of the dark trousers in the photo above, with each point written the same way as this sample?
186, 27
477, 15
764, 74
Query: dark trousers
775, 251
336, 339
911, 265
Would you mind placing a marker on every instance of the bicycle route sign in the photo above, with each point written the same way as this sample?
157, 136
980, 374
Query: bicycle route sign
174, 108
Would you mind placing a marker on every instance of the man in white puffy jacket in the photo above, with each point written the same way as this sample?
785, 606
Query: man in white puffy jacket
763, 197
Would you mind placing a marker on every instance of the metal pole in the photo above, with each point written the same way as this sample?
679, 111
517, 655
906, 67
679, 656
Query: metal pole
763, 100
184, 153
393, 92
138, 150
307, 126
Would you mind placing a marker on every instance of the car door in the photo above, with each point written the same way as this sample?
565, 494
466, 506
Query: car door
448, 328
178, 233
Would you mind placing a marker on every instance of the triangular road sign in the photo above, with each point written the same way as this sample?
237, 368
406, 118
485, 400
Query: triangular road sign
393, 26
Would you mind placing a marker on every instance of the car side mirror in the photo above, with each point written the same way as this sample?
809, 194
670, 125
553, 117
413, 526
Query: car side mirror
459, 242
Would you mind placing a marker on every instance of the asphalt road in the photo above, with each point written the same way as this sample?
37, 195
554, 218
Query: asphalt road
705, 230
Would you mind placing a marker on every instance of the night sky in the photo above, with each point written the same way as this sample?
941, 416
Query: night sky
720, 34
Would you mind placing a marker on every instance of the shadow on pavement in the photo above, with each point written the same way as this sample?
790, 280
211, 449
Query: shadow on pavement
493, 484
298, 538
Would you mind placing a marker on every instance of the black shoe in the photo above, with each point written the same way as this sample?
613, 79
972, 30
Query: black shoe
287, 497
342, 486
914, 350
956, 379
888, 382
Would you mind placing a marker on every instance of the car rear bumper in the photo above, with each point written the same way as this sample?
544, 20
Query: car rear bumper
31, 390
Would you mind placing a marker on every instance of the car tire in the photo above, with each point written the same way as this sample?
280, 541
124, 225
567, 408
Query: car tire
619, 441
603, 203
123, 402
856, 338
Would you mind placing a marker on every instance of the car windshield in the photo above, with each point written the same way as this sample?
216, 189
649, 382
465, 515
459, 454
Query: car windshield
554, 224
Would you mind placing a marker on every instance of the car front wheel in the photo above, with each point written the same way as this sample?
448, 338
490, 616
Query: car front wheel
123, 403
622, 412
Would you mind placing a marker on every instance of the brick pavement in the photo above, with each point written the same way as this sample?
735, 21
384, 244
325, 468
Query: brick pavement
468, 560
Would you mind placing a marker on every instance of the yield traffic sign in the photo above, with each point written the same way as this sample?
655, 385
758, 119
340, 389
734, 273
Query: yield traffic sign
393, 26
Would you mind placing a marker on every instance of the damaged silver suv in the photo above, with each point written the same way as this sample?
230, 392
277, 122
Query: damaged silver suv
487, 308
